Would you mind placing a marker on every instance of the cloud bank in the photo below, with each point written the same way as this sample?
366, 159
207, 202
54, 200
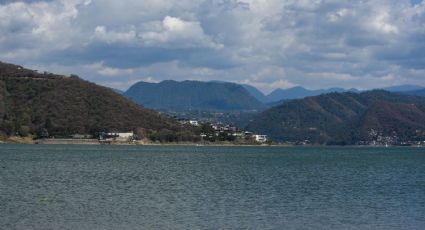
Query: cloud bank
266, 43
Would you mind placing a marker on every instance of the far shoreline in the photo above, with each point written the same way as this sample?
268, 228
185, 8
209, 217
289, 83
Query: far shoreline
95, 142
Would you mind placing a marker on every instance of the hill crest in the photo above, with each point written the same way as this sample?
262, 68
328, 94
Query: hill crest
193, 95
32, 101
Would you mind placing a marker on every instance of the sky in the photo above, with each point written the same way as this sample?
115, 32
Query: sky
265, 43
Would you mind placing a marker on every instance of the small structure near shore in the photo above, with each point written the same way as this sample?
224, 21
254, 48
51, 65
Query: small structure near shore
116, 136
261, 138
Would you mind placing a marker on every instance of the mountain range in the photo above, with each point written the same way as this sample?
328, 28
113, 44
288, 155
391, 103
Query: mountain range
224, 96
32, 102
345, 118
299, 92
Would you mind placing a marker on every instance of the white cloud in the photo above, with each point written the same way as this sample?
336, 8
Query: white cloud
101, 69
269, 43
32, 30
333, 76
178, 32
101, 33
381, 23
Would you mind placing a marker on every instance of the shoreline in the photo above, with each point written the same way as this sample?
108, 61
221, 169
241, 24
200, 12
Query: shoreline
30, 141
69, 141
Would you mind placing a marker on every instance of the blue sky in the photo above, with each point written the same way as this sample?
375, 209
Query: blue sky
266, 43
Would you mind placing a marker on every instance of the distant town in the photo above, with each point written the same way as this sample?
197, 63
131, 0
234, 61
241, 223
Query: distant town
210, 133
221, 133
216, 132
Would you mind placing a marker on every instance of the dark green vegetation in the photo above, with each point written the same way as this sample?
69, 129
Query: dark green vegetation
193, 95
52, 105
346, 118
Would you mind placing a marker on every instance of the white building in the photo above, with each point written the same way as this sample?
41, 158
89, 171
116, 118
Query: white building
193, 122
122, 136
260, 138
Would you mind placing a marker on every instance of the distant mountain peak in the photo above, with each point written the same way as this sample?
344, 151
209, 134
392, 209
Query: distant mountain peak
193, 95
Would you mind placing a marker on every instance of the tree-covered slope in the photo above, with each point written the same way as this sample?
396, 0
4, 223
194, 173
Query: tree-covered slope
193, 95
32, 102
343, 118
402, 119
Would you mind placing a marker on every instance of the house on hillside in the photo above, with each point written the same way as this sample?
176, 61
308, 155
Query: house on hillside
260, 138
194, 123
190, 122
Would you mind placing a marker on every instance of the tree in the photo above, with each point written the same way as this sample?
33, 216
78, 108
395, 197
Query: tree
24, 131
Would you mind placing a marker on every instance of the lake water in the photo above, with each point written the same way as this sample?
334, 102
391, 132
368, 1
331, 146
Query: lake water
131, 187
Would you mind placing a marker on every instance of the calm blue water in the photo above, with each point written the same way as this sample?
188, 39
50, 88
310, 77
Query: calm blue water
119, 187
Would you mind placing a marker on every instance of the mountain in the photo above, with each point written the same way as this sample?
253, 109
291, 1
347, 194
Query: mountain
420, 92
345, 118
281, 95
404, 88
277, 103
354, 90
31, 102
298, 92
256, 93
291, 93
193, 95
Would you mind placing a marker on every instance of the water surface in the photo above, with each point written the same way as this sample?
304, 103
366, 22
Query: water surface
131, 187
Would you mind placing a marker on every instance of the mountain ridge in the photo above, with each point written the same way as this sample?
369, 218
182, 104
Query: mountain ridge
193, 95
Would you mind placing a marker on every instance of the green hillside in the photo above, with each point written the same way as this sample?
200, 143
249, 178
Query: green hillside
31, 102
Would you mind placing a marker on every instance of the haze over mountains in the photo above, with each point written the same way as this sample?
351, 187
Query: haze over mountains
299, 92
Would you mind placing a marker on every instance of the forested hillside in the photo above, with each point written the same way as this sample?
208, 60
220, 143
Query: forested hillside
345, 118
31, 102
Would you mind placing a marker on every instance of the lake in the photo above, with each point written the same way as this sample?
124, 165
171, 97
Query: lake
166, 187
